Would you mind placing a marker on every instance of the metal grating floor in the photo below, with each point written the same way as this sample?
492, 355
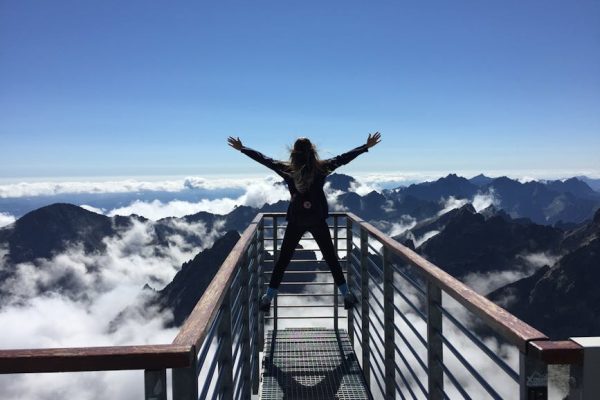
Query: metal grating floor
311, 363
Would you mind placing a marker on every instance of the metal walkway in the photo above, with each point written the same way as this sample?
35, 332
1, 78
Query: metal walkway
311, 363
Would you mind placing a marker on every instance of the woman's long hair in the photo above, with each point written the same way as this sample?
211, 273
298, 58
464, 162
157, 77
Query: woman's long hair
304, 163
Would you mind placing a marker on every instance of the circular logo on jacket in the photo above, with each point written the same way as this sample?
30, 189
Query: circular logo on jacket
307, 204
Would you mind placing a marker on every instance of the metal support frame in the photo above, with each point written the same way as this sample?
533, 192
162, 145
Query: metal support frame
225, 357
155, 384
335, 289
185, 381
258, 327
349, 235
388, 319
435, 348
275, 258
259, 288
364, 253
533, 378
246, 381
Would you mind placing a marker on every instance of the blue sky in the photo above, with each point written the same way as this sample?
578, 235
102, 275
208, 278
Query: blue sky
138, 88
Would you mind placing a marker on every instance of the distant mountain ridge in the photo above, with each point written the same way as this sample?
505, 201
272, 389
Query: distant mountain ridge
562, 300
545, 203
462, 241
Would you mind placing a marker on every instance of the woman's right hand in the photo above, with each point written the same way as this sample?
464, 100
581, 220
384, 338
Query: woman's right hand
372, 140
236, 143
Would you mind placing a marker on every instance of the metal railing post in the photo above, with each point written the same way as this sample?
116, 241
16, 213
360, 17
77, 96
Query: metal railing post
388, 318
259, 289
256, 316
335, 289
364, 278
533, 378
155, 384
225, 358
275, 258
185, 381
349, 275
435, 349
246, 380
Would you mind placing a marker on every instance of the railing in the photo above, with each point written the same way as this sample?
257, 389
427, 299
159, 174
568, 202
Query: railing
414, 329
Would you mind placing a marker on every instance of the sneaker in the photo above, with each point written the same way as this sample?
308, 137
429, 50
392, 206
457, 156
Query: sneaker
265, 304
349, 300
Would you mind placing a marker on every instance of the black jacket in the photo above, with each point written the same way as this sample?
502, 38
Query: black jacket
310, 207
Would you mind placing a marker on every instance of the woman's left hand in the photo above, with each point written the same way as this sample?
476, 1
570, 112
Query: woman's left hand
236, 143
372, 140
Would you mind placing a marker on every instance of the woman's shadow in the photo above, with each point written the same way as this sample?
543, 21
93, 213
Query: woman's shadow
330, 380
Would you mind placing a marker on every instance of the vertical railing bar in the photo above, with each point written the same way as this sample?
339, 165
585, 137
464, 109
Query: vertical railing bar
259, 289
185, 381
155, 384
435, 349
245, 339
335, 289
364, 252
533, 378
256, 316
275, 258
349, 236
388, 317
225, 356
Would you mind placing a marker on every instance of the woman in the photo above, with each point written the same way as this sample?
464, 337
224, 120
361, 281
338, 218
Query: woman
305, 175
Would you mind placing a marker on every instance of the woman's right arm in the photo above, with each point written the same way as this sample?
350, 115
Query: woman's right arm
275, 165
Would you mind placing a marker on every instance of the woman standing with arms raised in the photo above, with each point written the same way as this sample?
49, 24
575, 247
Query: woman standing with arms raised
305, 175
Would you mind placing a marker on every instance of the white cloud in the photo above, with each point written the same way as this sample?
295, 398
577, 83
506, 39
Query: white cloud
422, 239
49, 188
451, 203
93, 209
156, 209
481, 201
261, 192
538, 260
406, 222
524, 265
6, 219
102, 285
363, 187
332, 198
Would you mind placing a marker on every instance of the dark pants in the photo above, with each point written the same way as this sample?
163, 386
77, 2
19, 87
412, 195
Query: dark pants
320, 233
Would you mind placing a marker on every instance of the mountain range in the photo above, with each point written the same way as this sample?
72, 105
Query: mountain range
555, 218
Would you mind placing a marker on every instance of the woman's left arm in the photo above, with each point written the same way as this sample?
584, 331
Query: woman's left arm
336, 162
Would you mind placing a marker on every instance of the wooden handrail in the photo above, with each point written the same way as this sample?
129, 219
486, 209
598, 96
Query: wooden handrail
507, 325
72, 359
196, 326
556, 352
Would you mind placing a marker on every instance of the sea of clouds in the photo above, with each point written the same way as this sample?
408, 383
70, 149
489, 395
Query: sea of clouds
102, 285
98, 287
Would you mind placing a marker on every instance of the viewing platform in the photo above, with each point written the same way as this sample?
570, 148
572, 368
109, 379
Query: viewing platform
416, 333
311, 363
